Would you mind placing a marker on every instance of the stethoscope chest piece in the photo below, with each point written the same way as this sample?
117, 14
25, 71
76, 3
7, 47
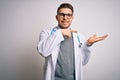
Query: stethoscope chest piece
80, 44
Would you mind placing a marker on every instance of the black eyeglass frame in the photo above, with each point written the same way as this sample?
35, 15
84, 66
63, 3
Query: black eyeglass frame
67, 15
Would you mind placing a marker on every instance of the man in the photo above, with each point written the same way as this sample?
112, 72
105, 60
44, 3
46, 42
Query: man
64, 49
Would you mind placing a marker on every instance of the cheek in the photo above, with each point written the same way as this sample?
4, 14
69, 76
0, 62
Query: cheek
58, 19
71, 21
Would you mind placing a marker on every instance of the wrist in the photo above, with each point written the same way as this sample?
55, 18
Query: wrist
89, 44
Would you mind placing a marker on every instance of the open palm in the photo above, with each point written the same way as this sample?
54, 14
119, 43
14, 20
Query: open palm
94, 39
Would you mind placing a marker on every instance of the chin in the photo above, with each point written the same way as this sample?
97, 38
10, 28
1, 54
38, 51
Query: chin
64, 26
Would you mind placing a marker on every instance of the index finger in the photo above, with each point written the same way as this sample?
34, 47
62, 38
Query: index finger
72, 30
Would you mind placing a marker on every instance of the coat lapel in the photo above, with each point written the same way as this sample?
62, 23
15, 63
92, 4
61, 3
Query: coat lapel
78, 60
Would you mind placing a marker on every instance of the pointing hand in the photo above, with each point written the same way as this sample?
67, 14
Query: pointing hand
67, 32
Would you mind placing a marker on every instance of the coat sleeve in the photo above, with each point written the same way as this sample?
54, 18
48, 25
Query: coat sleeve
85, 50
48, 42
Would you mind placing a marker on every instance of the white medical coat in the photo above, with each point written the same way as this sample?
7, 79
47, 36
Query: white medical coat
49, 46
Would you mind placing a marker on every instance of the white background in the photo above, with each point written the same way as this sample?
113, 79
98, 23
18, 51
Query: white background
21, 21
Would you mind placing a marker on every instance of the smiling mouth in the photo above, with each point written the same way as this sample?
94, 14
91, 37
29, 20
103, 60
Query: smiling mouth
64, 22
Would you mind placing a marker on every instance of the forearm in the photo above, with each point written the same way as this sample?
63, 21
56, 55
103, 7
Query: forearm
49, 42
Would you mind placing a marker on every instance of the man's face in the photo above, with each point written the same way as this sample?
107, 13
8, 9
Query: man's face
64, 17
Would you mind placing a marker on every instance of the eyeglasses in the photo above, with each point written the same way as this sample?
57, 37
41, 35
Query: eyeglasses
63, 15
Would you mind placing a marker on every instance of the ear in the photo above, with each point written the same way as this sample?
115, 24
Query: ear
56, 17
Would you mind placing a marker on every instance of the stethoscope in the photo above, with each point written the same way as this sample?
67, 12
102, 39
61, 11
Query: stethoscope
80, 44
54, 30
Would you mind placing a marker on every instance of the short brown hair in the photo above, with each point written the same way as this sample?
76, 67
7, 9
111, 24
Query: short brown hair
65, 5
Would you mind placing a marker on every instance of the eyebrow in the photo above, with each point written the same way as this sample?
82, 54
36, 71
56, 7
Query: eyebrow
65, 14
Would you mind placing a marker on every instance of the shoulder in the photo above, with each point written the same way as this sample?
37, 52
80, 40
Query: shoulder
49, 30
81, 35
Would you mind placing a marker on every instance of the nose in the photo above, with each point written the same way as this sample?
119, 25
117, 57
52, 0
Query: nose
65, 17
